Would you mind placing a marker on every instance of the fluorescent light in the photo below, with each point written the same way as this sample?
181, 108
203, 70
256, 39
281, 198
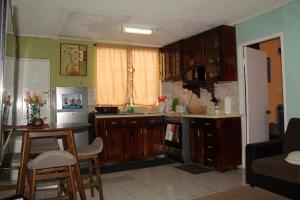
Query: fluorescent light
137, 30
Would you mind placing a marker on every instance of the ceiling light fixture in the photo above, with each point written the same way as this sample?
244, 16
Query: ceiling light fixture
137, 30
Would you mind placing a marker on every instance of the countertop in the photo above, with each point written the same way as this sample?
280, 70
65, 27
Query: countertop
215, 116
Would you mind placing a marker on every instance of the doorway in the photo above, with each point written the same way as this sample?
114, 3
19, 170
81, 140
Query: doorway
272, 48
282, 117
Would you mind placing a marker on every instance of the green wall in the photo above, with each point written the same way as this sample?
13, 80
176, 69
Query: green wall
285, 20
34, 47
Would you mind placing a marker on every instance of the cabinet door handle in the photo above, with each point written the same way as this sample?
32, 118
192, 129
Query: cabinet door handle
208, 159
141, 131
113, 123
194, 122
209, 135
133, 122
106, 133
198, 133
207, 124
210, 147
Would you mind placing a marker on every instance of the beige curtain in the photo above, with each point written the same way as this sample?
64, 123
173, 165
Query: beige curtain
111, 75
127, 72
146, 81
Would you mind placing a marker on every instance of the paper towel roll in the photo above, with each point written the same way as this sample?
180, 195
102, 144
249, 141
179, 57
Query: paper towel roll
227, 105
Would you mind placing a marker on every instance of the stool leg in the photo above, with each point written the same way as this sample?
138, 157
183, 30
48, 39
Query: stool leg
98, 175
32, 185
91, 182
70, 169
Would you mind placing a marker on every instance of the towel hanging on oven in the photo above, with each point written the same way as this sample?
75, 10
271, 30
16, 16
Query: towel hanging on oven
172, 133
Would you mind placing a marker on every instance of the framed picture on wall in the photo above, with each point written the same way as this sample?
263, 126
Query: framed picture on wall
73, 59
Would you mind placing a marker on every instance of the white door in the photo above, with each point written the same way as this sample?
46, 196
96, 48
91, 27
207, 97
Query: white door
255, 63
33, 75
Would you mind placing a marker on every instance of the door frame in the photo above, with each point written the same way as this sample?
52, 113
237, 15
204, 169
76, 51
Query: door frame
242, 87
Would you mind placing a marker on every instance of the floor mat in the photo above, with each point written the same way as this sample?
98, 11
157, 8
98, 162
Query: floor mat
130, 165
194, 168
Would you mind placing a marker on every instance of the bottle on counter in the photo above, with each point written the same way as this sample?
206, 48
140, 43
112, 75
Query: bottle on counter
227, 105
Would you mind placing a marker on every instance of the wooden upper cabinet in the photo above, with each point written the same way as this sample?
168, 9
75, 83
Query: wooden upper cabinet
215, 49
171, 61
220, 54
193, 51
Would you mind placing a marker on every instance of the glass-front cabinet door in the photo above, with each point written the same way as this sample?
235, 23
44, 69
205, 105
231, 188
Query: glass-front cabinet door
213, 60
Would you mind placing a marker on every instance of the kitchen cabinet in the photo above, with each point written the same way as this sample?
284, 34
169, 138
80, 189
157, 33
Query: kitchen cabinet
193, 51
155, 136
196, 141
171, 61
130, 138
220, 54
216, 142
134, 126
114, 139
215, 49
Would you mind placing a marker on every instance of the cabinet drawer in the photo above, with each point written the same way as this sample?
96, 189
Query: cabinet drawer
196, 122
150, 121
210, 136
113, 122
209, 124
211, 149
210, 160
136, 121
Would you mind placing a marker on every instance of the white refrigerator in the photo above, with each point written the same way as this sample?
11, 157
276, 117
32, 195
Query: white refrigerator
70, 105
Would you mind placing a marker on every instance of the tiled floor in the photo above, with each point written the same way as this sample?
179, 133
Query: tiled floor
163, 183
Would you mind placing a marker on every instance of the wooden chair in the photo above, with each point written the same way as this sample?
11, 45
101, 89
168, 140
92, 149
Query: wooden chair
90, 154
66, 136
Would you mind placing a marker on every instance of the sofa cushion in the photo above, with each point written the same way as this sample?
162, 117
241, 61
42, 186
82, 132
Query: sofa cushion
291, 141
293, 158
277, 167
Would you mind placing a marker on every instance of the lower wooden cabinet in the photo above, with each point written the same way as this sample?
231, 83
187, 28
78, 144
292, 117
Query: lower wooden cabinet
115, 145
155, 140
196, 143
135, 143
216, 142
130, 138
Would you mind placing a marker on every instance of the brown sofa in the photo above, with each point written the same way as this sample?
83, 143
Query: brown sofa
266, 167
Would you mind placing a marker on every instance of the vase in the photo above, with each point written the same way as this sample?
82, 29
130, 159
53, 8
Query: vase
32, 112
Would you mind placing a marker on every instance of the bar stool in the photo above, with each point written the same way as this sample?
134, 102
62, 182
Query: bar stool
52, 165
68, 145
90, 154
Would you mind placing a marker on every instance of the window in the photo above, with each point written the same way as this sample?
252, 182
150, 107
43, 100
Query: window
127, 72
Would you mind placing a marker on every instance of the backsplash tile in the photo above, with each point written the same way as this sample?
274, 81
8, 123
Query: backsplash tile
174, 89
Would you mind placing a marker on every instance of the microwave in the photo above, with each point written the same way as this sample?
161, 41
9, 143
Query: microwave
194, 73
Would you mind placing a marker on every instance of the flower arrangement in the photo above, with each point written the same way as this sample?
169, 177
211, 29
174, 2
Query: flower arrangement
33, 99
5, 98
33, 104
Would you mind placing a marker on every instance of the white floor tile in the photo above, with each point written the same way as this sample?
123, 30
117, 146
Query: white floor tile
161, 183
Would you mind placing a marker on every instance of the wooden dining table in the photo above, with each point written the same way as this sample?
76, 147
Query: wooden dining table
46, 131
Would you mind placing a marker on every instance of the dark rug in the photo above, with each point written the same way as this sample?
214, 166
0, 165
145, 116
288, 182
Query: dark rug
130, 165
194, 168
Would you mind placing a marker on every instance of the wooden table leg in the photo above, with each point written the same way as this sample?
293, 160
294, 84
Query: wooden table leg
23, 161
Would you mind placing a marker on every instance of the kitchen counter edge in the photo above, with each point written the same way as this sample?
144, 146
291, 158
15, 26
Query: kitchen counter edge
100, 116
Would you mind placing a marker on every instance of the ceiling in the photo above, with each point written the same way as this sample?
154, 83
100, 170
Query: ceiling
101, 20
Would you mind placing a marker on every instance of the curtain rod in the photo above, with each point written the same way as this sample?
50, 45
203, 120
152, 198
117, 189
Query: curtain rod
124, 46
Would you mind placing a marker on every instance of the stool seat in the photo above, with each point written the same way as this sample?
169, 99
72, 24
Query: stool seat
93, 149
52, 159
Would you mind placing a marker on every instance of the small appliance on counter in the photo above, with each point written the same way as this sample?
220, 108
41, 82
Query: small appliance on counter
106, 109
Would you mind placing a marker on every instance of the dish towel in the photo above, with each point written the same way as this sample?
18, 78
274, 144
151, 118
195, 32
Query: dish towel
172, 132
